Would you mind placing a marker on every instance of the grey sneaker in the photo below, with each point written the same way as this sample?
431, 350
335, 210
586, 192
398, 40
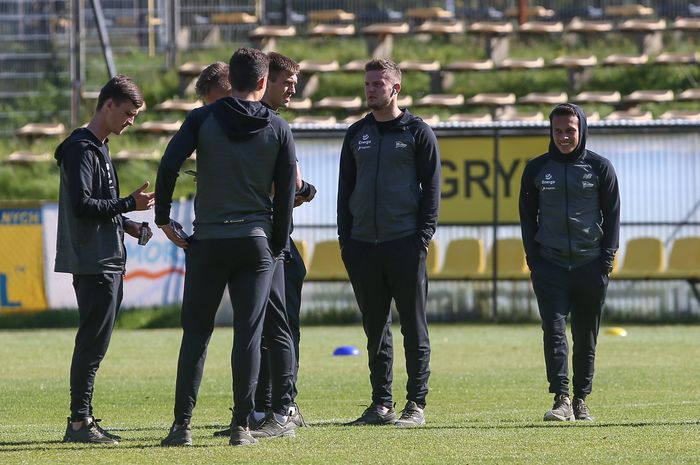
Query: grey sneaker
581, 411
103, 431
561, 410
88, 434
252, 423
271, 428
374, 416
241, 436
411, 416
297, 418
178, 436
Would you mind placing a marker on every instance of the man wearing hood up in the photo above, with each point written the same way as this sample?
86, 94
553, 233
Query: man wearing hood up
90, 242
240, 232
570, 221
388, 200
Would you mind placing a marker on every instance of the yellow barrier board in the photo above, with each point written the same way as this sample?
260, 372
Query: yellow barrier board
468, 176
21, 260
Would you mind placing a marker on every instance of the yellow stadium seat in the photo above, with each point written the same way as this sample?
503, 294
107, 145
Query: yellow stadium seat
432, 264
326, 263
464, 259
303, 249
511, 262
644, 259
684, 260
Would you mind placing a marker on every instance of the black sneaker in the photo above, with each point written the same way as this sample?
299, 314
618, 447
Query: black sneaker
88, 433
272, 428
581, 411
561, 410
373, 415
411, 416
252, 423
178, 436
297, 418
103, 431
241, 436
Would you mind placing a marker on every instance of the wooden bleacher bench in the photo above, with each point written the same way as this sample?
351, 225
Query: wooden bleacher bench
689, 95
426, 66
264, 37
668, 58
680, 115
380, 37
330, 16
315, 120
233, 18
469, 65
188, 73
686, 25
629, 11
33, 130
574, 62
300, 104
355, 66
352, 119
647, 32
617, 59
470, 118
496, 38
521, 63
629, 115
580, 26
27, 157
161, 128
332, 30
609, 97
652, 96
178, 105
519, 115
339, 103
544, 98
308, 77
124, 155
541, 28
421, 14
404, 101
432, 27
495, 99
441, 100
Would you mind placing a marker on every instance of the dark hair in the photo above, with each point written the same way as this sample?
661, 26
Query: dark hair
383, 64
120, 89
563, 109
246, 67
279, 63
214, 76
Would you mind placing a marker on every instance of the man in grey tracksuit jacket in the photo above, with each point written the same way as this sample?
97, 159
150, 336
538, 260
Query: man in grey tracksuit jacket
570, 220
388, 200
240, 233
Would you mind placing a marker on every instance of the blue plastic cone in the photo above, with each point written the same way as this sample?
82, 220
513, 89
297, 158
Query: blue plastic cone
343, 351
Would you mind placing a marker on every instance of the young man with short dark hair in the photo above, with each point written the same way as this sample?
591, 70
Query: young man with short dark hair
241, 232
212, 83
388, 201
570, 221
90, 242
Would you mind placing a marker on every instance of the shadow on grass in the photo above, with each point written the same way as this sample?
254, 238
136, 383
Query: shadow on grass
542, 425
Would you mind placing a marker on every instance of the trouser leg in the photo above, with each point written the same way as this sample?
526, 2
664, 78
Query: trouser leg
372, 293
249, 288
206, 274
551, 285
590, 285
99, 297
406, 271
294, 273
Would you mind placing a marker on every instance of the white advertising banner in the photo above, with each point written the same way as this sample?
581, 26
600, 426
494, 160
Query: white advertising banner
155, 272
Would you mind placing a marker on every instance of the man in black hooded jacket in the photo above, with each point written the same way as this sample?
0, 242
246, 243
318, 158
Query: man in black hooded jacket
570, 220
240, 232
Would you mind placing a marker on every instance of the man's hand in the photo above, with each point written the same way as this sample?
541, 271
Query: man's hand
144, 200
306, 195
133, 229
174, 232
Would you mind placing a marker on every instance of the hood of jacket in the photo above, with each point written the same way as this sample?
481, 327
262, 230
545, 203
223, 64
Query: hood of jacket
82, 136
241, 119
580, 149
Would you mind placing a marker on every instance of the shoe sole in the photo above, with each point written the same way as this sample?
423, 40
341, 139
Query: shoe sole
551, 417
286, 434
400, 424
180, 444
223, 433
243, 442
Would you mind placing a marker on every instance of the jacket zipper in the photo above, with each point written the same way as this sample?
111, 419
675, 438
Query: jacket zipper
376, 189
566, 201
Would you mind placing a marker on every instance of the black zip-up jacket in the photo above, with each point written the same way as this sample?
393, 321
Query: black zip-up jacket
570, 206
389, 185
242, 149
90, 236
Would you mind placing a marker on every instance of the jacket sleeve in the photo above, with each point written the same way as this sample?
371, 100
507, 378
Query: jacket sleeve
428, 172
346, 185
529, 205
609, 196
82, 166
180, 147
285, 176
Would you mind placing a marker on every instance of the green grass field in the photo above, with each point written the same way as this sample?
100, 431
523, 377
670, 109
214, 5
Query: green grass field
487, 398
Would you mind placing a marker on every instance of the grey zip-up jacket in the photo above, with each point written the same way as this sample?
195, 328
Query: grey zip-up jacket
570, 206
90, 236
389, 183
242, 149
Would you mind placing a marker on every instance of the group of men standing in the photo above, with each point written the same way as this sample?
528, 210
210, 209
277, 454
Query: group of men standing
247, 183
